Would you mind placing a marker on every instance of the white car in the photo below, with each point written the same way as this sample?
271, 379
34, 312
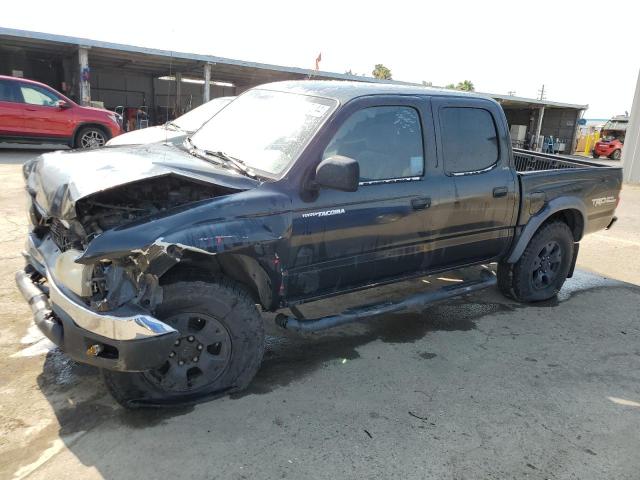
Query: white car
176, 130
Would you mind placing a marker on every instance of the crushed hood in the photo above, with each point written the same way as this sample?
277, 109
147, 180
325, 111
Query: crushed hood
57, 180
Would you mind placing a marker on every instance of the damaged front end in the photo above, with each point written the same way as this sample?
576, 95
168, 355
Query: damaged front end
99, 308
132, 276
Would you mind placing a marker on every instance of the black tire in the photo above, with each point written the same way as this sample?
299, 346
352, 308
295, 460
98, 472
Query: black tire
595, 155
232, 326
615, 155
91, 137
544, 265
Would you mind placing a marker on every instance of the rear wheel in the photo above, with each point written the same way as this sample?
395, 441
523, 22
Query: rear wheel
91, 137
615, 155
219, 349
595, 155
543, 267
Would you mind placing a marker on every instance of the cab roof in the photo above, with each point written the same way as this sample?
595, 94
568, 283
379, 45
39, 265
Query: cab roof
343, 91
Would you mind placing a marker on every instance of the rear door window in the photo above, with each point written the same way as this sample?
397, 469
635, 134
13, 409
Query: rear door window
386, 141
469, 139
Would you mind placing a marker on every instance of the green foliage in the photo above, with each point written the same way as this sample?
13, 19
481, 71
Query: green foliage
466, 85
381, 72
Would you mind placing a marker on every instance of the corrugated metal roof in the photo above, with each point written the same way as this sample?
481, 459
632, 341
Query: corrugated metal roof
534, 101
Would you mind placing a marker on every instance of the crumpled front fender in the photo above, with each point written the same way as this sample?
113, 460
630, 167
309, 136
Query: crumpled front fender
199, 228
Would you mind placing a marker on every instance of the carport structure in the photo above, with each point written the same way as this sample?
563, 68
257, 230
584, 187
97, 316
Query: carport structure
542, 118
125, 75
168, 83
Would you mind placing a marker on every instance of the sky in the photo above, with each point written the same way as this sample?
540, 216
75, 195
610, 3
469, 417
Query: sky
583, 52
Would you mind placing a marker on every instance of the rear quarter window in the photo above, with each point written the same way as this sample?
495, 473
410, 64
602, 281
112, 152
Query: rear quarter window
469, 139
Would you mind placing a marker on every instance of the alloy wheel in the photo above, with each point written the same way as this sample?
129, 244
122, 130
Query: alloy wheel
92, 139
546, 265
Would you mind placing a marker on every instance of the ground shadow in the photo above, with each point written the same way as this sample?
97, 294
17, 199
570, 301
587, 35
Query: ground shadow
289, 358
81, 401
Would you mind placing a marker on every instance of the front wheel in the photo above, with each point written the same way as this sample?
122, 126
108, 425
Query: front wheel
595, 155
543, 267
91, 137
219, 349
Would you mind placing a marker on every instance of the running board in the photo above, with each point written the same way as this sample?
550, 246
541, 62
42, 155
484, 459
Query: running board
409, 304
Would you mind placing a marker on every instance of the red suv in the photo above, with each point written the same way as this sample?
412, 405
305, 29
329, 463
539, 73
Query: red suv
35, 113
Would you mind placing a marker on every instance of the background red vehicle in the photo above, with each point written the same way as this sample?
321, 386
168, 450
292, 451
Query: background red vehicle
35, 113
612, 138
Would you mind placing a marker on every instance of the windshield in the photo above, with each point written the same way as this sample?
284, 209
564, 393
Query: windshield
194, 119
265, 130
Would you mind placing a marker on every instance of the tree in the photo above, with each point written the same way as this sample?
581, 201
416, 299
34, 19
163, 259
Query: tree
349, 72
466, 85
381, 72
427, 84
451, 86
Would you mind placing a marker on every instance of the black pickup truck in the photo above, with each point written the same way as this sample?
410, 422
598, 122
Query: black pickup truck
152, 262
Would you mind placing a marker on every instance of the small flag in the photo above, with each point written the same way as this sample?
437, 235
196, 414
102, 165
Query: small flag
318, 60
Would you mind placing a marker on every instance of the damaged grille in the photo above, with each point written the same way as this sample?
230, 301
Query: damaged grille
63, 237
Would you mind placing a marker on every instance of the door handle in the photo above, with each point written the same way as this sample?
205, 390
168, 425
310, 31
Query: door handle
31, 109
420, 203
500, 192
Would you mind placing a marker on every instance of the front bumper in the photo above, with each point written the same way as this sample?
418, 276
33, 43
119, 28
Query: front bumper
129, 339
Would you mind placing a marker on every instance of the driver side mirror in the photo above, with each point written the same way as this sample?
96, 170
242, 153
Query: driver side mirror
338, 173
62, 104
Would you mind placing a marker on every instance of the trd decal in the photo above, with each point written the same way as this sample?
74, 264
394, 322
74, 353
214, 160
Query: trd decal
598, 202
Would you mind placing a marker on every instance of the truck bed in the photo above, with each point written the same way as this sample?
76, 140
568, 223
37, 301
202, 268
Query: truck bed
528, 161
544, 177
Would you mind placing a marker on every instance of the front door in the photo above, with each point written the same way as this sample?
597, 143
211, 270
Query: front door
42, 116
344, 240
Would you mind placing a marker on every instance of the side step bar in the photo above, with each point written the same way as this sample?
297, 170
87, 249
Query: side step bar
411, 303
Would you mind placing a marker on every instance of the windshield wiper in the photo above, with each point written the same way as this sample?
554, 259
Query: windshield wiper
227, 160
233, 161
196, 152
172, 126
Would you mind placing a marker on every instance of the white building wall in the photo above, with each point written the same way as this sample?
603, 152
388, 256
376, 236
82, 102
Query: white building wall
631, 149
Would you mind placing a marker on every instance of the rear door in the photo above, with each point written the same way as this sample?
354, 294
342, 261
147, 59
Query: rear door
11, 110
42, 116
343, 240
474, 150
